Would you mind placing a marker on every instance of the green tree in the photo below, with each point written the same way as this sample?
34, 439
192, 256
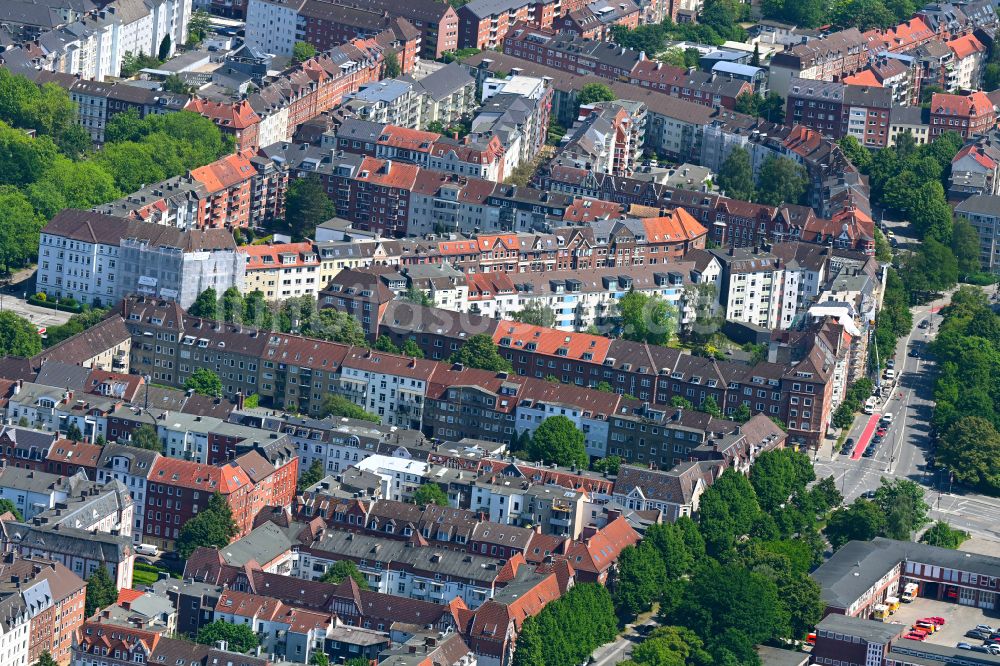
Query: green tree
742, 414
175, 84
568, 630
73, 432
969, 449
341, 570
608, 465
232, 305
430, 493
536, 314
781, 180
530, 650
45, 659
101, 591
668, 540
204, 382
639, 580
412, 349
862, 14
779, 474
302, 51
965, 246
595, 92
165, 45
647, 318
79, 184
145, 437
385, 344
256, 311
557, 440
944, 535
319, 658
861, 521
859, 156
330, 324
6, 506
311, 476
206, 305
198, 27
391, 65
131, 164
479, 351
238, 637
23, 159
902, 502
19, 232
212, 526
338, 405
18, 336
736, 176
307, 205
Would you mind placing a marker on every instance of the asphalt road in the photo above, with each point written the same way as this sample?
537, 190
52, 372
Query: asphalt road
903, 453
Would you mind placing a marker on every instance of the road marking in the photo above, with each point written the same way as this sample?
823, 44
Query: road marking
866, 435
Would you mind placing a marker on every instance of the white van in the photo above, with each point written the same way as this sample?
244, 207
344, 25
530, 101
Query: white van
870, 405
887, 419
890, 374
147, 549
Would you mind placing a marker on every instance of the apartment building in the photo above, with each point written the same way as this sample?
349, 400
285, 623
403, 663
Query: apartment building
607, 138
437, 23
971, 115
485, 24
97, 258
595, 19
281, 271
982, 212
975, 169
969, 61
824, 59
53, 597
713, 89
839, 110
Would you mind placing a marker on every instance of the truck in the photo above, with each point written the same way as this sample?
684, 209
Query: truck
910, 591
880, 612
892, 603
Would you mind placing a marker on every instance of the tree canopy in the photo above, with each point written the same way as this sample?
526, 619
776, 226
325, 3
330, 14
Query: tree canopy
736, 176
6, 506
647, 318
238, 637
102, 591
558, 440
212, 526
145, 437
18, 336
781, 181
338, 405
479, 351
430, 493
341, 570
204, 382
306, 206
311, 476
568, 629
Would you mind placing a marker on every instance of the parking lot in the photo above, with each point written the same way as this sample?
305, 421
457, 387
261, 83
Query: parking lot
958, 619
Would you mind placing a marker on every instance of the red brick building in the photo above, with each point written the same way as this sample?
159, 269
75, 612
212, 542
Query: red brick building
595, 20
484, 24
228, 184
970, 115
329, 24
25, 447
237, 119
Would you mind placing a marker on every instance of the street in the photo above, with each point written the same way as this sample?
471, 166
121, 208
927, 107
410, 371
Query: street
902, 453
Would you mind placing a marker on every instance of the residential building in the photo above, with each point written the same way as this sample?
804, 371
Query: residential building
969, 61
595, 20
484, 24
130, 466
982, 211
81, 551
53, 597
839, 110
975, 170
607, 138
282, 271
824, 59
972, 115
96, 258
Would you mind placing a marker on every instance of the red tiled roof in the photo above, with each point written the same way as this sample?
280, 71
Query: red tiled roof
270, 256
976, 153
908, 33
388, 173
484, 286
973, 104
585, 210
600, 549
126, 595
76, 453
677, 225
548, 340
408, 139
244, 604
238, 115
224, 173
865, 77
965, 46
187, 474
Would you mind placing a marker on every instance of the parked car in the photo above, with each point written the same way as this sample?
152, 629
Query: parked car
914, 636
847, 449
877, 439
881, 431
963, 646
891, 363
983, 627
939, 621
926, 323
869, 452
868, 494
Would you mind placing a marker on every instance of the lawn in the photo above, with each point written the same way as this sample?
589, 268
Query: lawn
144, 574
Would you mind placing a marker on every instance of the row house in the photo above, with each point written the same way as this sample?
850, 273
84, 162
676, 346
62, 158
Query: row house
438, 25
485, 24
969, 61
715, 89
903, 37
825, 59
99, 641
281, 271
249, 362
275, 27
176, 489
975, 170
898, 73
233, 191
840, 109
236, 119
972, 115
596, 19
607, 138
